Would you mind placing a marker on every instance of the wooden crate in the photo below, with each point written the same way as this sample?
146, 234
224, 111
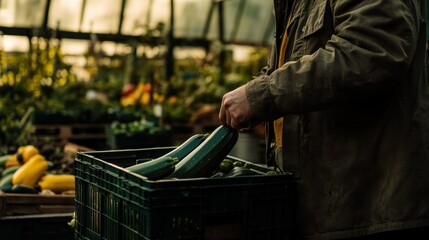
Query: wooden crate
91, 135
70, 132
29, 204
37, 227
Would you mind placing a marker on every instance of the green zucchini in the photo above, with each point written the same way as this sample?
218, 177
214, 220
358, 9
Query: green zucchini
20, 188
204, 159
142, 160
226, 165
187, 147
241, 171
155, 169
164, 165
218, 175
3, 160
6, 180
10, 170
6, 189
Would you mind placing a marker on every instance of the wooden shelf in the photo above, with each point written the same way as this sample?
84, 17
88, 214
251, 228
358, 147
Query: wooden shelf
29, 204
69, 132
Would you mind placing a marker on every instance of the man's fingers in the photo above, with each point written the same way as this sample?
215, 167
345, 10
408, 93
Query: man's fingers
235, 110
222, 116
227, 118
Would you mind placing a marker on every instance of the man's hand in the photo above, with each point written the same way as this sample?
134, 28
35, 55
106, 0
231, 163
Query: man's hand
235, 110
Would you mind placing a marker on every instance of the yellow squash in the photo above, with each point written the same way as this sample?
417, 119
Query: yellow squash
12, 161
29, 173
26, 152
57, 183
23, 154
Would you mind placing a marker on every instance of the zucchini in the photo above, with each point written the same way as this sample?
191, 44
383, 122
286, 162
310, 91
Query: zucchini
218, 175
272, 172
6, 189
6, 180
238, 164
21, 188
204, 159
164, 165
142, 160
3, 160
226, 165
187, 147
155, 169
241, 171
10, 170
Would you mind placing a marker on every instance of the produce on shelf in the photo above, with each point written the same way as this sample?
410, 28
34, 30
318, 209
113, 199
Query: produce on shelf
10, 170
30, 172
25, 153
72, 222
15, 127
35, 173
140, 96
12, 161
57, 183
22, 156
134, 127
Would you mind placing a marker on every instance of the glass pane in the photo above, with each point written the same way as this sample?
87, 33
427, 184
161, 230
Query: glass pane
74, 47
140, 15
190, 18
241, 53
270, 37
214, 25
16, 44
135, 17
101, 16
160, 13
66, 13
256, 17
189, 53
22, 13
230, 12
250, 28
112, 48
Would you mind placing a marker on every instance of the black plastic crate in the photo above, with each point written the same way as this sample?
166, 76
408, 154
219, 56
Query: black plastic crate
112, 203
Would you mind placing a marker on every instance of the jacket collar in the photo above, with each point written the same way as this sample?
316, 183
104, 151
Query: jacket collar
282, 10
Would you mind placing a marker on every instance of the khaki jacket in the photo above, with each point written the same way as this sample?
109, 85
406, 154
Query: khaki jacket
354, 95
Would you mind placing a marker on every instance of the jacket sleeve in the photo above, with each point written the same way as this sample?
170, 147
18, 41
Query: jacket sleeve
367, 54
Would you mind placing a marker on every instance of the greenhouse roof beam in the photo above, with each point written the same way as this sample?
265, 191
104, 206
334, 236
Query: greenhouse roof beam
221, 22
46, 17
238, 17
120, 38
267, 37
121, 16
82, 13
170, 51
208, 20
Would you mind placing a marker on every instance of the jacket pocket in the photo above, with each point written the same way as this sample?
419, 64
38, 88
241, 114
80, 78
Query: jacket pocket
308, 29
315, 19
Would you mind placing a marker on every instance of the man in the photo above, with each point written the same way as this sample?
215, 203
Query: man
346, 97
